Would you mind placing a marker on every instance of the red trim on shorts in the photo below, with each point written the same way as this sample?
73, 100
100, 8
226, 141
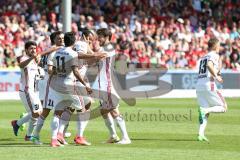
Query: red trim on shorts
99, 85
108, 81
26, 79
212, 84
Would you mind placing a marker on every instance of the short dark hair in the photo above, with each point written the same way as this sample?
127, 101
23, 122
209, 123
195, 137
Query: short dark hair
212, 43
104, 32
69, 38
87, 32
54, 35
30, 43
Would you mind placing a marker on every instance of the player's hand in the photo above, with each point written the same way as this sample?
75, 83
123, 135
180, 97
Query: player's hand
37, 57
219, 79
89, 90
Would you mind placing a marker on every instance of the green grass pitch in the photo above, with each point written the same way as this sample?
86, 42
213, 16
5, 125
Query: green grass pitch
154, 136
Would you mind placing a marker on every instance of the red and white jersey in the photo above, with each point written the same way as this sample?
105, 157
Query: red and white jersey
105, 68
29, 75
62, 61
205, 81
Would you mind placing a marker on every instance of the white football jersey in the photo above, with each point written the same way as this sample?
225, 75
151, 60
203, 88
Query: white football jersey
29, 75
105, 67
205, 81
81, 47
63, 61
44, 60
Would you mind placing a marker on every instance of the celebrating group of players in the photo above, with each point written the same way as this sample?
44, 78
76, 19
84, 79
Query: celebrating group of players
56, 80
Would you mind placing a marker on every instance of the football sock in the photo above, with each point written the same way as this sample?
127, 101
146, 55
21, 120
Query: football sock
65, 128
203, 126
24, 119
121, 123
54, 126
31, 126
39, 126
110, 125
66, 115
82, 122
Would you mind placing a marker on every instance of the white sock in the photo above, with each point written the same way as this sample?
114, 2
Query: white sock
24, 119
121, 123
39, 126
202, 127
54, 126
31, 126
65, 128
215, 109
110, 125
82, 122
66, 115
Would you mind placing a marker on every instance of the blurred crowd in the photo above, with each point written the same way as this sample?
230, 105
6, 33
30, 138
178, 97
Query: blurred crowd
146, 33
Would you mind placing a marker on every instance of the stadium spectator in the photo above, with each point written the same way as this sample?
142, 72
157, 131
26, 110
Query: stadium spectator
164, 33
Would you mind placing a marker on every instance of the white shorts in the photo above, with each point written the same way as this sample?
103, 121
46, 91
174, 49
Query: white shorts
108, 100
31, 101
60, 101
208, 98
82, 93
42, 84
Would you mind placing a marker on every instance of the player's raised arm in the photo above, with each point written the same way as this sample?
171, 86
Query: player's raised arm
50, 50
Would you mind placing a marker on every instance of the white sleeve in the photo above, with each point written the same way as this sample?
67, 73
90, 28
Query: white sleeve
50, 59
109, 50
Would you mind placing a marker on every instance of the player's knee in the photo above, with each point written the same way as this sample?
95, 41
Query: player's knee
35, 115
115, 113
58, 113
71, 109
45, 112
104, 113
87, 107
66, 115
